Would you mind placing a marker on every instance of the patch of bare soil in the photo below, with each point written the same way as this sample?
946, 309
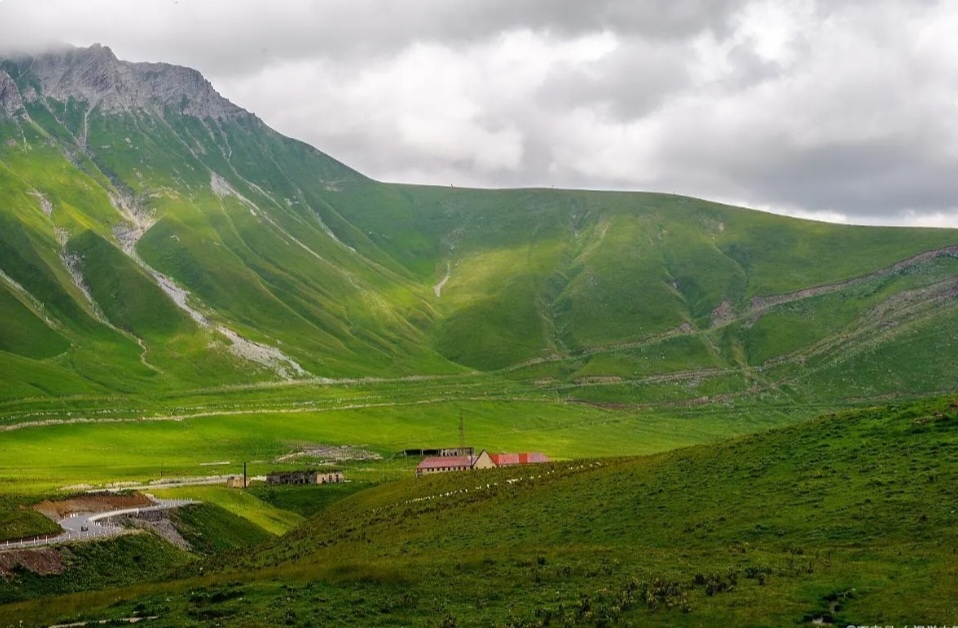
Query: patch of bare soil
610, 379
94, 502
330, 453
159, 523
723, 314
43, 562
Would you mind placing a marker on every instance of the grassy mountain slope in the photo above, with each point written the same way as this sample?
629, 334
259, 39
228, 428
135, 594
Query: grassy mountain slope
288, 264
844, 520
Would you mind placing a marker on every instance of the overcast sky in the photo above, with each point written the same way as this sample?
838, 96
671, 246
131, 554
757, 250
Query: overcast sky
842, 110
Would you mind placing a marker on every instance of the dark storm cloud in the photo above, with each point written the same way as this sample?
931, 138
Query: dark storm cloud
841, 107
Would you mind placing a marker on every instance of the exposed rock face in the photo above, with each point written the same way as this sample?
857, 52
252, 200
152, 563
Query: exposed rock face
10, 101
94, 75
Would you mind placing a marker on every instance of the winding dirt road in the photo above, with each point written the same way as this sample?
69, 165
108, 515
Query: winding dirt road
90, 526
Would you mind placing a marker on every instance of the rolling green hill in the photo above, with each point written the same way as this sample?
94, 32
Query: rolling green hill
158, 238
846, 520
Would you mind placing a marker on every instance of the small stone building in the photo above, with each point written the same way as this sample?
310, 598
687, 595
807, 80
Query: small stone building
236, 481
328, 478
299, 478
289, 478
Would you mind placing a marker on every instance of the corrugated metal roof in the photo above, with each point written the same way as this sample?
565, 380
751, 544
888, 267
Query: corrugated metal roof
445, 462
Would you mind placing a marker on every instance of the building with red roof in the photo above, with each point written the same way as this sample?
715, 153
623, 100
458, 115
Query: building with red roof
508, 460
484, 460
443, 464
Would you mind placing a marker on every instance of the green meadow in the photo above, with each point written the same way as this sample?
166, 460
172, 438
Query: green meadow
843, 520
62, 454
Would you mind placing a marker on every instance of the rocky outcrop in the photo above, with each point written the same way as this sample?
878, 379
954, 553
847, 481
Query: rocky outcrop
94, 75
11, 103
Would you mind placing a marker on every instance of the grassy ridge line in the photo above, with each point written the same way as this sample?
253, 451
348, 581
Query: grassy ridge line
499, 217
265, 517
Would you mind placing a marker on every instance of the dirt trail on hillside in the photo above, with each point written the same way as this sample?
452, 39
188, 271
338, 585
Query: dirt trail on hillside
437, 289
758, 304
256, 410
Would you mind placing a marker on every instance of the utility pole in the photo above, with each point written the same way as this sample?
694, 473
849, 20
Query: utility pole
245, 484
462, 434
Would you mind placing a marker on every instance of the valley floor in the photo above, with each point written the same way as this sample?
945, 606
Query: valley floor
848, 519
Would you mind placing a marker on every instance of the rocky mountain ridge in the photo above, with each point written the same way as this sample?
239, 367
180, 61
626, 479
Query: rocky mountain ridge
97, 77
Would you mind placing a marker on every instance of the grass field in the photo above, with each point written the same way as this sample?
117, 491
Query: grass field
840, 520
274, 521
66, 454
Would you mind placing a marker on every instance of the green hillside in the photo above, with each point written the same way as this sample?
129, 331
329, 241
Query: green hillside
845, 520
289, 265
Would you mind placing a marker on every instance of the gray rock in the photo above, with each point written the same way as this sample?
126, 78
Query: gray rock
94, 75
10, 100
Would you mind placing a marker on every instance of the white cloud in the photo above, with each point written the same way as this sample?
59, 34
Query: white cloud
430, 104
840, 109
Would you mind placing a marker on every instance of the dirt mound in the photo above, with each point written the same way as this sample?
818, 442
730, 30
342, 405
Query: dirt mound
92, 503
161, 526
331, 453
42, 562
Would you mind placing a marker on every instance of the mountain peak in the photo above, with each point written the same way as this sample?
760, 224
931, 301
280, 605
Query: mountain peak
96, 76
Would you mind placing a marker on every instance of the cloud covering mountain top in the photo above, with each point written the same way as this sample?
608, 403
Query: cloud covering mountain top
842, 110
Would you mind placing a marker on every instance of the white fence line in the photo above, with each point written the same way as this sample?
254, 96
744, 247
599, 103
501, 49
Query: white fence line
95, 529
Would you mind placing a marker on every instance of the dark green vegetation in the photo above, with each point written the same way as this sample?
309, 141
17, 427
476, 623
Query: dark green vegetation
849, 519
